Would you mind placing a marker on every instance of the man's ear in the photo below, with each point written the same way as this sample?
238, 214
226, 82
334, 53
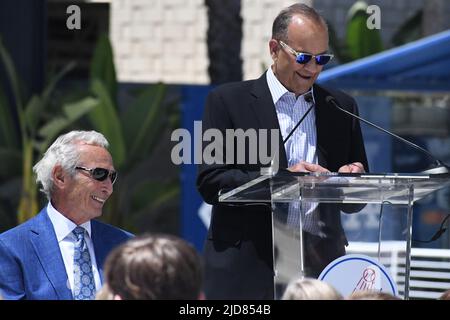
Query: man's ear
59, 176
274, 49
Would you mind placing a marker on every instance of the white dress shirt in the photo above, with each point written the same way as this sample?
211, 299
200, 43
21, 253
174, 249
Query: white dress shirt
66, 241
301, 145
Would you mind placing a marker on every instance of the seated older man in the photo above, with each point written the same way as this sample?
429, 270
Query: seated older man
59, 253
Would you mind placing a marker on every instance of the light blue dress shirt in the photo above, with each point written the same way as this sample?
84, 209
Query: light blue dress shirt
301, 145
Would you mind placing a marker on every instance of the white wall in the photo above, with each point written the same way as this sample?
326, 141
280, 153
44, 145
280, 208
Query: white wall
160, 40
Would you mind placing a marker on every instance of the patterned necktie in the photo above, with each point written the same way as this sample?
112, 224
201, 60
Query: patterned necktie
84, 285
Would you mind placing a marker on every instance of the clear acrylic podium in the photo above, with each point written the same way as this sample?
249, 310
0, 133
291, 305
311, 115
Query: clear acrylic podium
300, 204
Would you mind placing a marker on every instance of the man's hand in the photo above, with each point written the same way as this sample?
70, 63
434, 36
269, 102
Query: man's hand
304, 166
355, 167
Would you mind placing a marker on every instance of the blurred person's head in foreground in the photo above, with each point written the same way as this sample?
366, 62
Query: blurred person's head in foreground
310, 289
153, 267
371, 295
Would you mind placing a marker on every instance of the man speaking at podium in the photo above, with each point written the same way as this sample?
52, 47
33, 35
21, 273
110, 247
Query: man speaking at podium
238, 249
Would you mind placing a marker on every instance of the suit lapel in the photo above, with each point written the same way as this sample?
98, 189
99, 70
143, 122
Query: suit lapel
99, 248
264, 110
43, 238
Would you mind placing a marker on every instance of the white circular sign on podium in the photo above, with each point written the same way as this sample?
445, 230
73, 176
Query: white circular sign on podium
356, 272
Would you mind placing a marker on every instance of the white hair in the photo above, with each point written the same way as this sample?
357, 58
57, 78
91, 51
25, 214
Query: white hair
64, 152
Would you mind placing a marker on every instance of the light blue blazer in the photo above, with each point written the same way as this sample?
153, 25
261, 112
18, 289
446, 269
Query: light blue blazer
31, 264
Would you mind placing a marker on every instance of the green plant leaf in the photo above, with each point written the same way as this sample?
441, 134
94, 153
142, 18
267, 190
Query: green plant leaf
11, 162
12, 75
51, 130
48, 90
105, 119
50, 87
136, 112
32, 112
167, 194
361, 41
144, 119
37, 104
71, 113
28, 203
8, 135
148, 196
75, 110
410, 30
102, 66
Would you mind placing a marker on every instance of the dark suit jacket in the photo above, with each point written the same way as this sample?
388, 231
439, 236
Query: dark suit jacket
238, 250
31, 264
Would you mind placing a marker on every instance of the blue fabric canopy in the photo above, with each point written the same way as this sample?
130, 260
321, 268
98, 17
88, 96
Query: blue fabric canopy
422, 65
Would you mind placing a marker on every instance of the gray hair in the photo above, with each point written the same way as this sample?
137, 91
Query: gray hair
64, 152
282, 21
310, 289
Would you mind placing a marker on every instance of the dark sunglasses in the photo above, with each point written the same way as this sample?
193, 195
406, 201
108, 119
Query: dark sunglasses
304, 58
100, 174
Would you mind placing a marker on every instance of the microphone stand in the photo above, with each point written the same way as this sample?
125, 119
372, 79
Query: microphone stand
440, 167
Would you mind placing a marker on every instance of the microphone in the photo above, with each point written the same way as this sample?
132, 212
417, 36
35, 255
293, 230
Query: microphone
440, 166
308, 97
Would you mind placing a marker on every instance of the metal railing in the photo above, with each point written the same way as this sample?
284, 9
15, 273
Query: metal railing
429, 272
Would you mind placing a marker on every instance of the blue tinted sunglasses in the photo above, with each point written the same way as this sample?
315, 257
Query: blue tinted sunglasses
304, 58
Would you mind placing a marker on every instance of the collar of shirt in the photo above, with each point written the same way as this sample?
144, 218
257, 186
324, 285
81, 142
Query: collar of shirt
63, 226
277, 90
